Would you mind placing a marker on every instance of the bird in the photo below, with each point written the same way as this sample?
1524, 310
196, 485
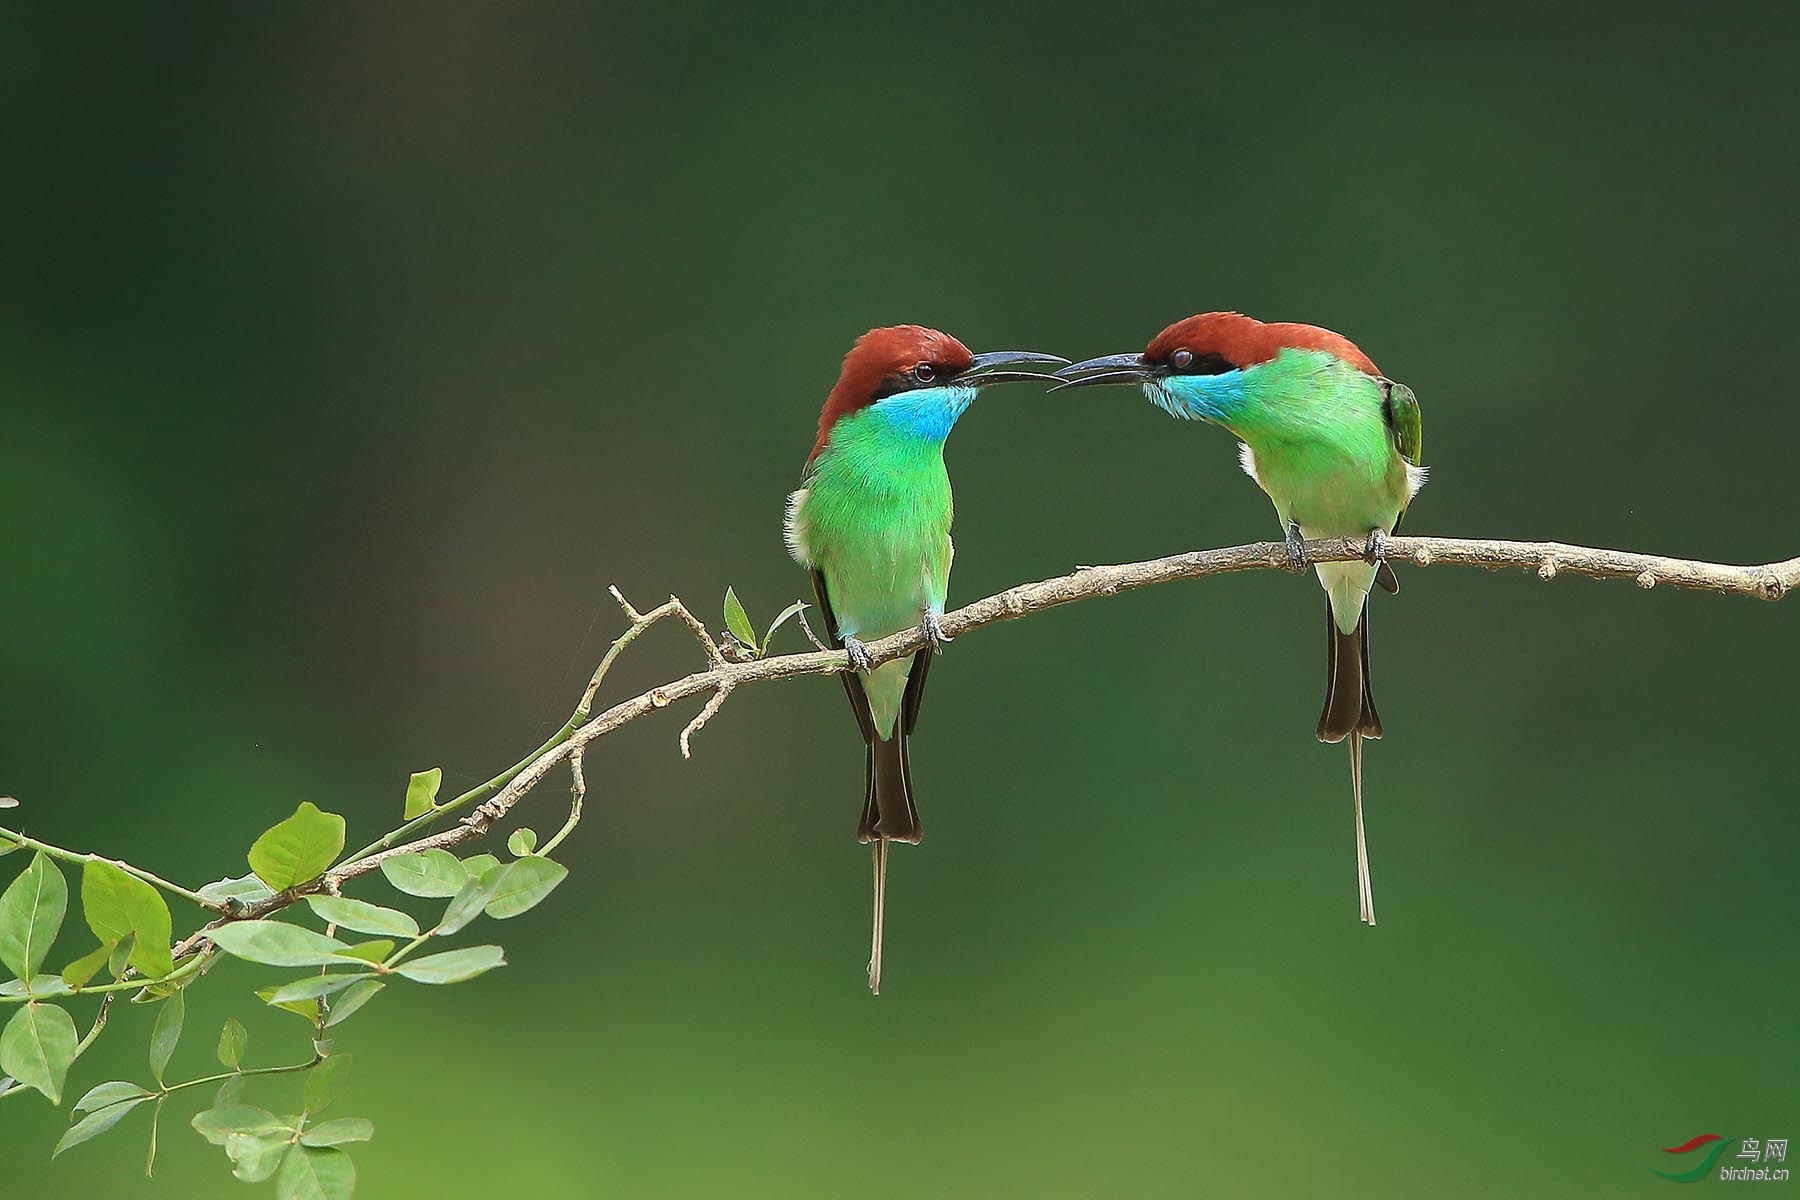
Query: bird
1333, 442
871, 522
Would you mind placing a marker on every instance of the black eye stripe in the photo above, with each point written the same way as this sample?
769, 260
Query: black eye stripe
1206, 362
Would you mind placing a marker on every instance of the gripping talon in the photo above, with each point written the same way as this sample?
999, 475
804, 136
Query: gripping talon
1376, 551
859, 656
1296, 548
931, 625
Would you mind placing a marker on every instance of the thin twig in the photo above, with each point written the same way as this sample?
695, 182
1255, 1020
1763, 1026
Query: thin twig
1548, 559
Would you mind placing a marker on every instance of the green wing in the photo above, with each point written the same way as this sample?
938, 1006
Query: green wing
1402, 411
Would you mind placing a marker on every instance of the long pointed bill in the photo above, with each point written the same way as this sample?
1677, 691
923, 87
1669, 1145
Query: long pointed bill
1126, 369
984, 370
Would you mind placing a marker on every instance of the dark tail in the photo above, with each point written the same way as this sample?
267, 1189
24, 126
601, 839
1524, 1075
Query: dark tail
1349, 707
1350, 712
888, 810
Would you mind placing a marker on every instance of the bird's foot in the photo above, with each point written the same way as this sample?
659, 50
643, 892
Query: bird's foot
1376, 550
931, 624
859, 655
1296, 548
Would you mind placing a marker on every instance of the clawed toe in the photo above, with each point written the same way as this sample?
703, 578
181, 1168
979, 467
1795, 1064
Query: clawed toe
859, 655
1296, 548
1376, 550
931, 625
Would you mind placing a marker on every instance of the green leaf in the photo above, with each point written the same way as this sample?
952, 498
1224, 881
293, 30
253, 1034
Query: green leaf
522, 884
310, 988
37, 1046
354, 997
315, 1173
77, 973
787, 614
155, 1125
41, 986
433, 873
228, 1092
166, 1033
217, 1124
466, 905
103, 1094
232, 1040
339, 1132
325, 1082
522, 841
98, 1122
31, 911
118, 906
277, 944
363, 917
478, 865
254, 1157
298, 849
421, 792
453, 966
375, 951
120, 958
247, 889
738, 621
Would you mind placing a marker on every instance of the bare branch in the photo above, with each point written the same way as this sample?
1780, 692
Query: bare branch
1547, 559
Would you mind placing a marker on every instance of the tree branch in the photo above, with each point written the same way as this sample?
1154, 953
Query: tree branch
721, 678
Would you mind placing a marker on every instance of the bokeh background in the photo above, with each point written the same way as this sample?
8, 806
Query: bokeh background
351, 352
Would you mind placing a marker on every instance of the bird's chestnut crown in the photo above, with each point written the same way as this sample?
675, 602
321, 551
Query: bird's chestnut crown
1216, 342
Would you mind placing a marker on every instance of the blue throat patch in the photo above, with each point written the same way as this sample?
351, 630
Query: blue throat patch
1215, 398
926, 413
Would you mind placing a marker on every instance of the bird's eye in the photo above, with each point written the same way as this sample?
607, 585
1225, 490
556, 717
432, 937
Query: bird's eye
924, 372
1183, 359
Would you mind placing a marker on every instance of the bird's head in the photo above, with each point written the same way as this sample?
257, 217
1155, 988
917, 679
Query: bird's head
1193, 367
921, 378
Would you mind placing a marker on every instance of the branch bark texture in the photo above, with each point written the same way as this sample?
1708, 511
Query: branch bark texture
722, 677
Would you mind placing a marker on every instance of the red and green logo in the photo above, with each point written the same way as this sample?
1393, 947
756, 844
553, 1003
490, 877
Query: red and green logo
1716, 1146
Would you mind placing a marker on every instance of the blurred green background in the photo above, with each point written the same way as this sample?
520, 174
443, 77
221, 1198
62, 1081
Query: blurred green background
351, 352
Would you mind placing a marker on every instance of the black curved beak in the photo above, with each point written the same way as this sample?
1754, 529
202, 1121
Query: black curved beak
1126, 368
987, 368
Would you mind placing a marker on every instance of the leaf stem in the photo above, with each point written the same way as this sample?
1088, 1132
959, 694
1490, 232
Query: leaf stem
76, 856
187, 969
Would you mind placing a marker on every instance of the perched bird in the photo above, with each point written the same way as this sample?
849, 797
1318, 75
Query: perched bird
871, 521
1333, 442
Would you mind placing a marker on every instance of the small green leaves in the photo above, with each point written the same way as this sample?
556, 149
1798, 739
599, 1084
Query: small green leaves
77, 973
453, 966
340, 1132
118, 906
298, 849
787, 614
421, 792
354, 997
522, 841
37, 1046
738, 622
375, 951
433, 873
522, 884
478, 865
232, 1040
277, 944
254, 1157
467, 904
363, 917
31, 911
166, 1033
310, 988
217, 1124
316, 1173
246, 889
103, 1094
102, 1117
325, 1082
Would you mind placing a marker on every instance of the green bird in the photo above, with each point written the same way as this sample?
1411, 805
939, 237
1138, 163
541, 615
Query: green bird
871, 521
1333, 442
